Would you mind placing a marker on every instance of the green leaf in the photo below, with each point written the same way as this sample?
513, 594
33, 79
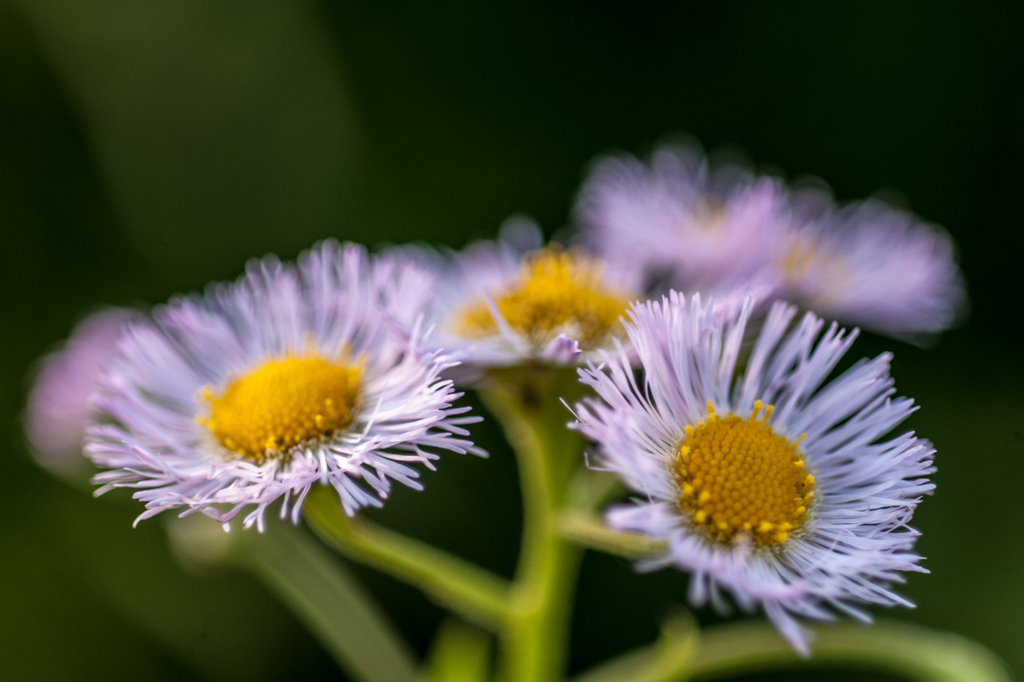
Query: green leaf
223, 129
325, 596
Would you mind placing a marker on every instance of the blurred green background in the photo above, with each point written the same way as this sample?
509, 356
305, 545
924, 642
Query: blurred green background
150, 146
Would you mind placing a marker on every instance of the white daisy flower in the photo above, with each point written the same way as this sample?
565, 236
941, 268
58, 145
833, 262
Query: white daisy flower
511, 301
769, 485
259, 389
873, 265
58, 404
677, 222
694, 229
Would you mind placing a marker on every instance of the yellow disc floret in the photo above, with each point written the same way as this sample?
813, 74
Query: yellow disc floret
739, 478
281, 404
557, 292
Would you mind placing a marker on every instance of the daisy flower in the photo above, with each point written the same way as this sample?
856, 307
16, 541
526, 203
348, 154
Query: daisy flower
771, 486
676, 222
259, 389
513, 300
58, 403
692, 228
871, 264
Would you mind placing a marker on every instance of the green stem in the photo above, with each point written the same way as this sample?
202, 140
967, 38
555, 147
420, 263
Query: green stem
590, 489
459, 653
587, 530
328, 600
916, 652
730, 650
473, 592
668, 660
526, 402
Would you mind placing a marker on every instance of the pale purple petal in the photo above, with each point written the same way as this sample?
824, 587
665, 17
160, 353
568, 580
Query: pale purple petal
679, 222
58, 403
855, 543
335, 300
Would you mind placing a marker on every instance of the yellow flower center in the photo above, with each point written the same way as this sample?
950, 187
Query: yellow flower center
803, 256
556, 293
798, 257
709, 215
282, 404
739, 478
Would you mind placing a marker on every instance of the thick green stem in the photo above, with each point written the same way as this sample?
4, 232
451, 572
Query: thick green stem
526, 402
473, 592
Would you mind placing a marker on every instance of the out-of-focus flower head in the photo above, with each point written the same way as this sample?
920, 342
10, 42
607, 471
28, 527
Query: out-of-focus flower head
685, 225
771, 486
58, 403
677, 223
873, 265
259, 389
506, 302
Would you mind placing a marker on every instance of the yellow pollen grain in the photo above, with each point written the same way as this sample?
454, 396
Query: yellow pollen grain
557, 292
282, 404
738, 478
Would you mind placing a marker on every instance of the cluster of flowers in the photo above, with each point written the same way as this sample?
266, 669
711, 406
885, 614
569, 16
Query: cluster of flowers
763, 480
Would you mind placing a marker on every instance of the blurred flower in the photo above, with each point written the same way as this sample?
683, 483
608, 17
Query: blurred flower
677, 223
770, 487
505, 302
687, 227
873, 265
261, 388
58, 403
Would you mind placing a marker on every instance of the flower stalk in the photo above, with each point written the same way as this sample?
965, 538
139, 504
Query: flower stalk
587, 530
474, 593
911, 651
526, 400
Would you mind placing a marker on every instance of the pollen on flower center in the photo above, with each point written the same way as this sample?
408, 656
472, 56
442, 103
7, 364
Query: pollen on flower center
281, 404
738, 477
556, 293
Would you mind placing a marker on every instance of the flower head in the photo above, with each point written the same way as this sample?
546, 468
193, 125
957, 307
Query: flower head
58, 404
259, 389
676, 222
772, 485
505, 302
871, 264
684, 225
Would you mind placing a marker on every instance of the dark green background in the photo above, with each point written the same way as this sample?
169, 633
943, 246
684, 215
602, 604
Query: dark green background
149, 147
